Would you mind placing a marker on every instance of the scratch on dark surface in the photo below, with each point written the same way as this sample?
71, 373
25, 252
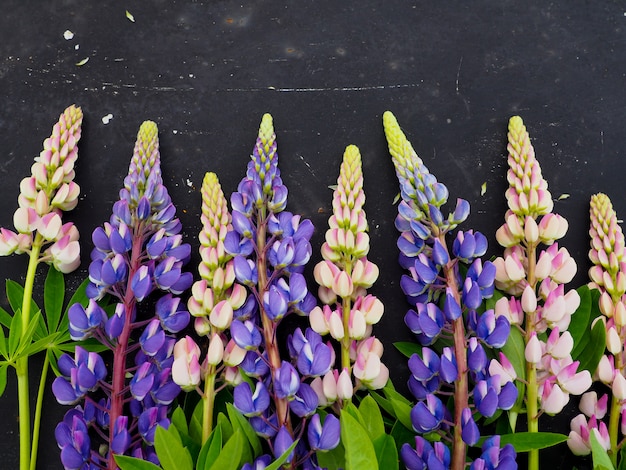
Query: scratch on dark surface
321, 89
6, 164
308, 166
458, 73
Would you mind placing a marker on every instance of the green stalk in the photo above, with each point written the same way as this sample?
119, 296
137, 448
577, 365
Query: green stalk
38, 409
21, 366
208, 403
614, 417
532, 388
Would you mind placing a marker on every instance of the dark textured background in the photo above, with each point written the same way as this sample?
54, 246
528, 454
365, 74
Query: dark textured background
453, 73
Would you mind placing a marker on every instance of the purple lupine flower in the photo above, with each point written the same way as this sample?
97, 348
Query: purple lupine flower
248, 403
137, 252
448, 300
323, 437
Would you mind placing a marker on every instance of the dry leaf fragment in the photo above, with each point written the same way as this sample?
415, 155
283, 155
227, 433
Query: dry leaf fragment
332, 186
106, 119
130, 16
396, 199
82, 62
68, 35
562, 196
483, 188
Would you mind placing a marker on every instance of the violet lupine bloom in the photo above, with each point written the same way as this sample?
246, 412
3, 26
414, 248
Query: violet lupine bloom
140, 250
445, 301
270, 248
535, 281
608, 275
343, 276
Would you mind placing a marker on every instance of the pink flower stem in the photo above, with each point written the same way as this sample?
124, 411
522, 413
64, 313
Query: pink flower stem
121, 348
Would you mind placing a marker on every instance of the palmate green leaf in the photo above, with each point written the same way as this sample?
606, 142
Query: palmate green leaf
600, 457
402, 435
170, 450
384, 403
15, 296
53, 296
401, 406
180, 421
386, 452
359, 449
525, 441
27, 337
131, 463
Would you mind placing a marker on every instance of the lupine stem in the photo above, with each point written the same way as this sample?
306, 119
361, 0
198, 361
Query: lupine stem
208, 402
614, 417
21, 367
38, 410
121, 348
532, 388
461, 400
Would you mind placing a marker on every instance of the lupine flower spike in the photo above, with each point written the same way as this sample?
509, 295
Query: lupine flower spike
137, 252
215, 300
608, 275
344, 275
539, 304
270, 248
40, 233
447, 303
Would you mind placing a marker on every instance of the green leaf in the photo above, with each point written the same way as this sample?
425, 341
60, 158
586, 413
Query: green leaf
3, 343
27, 336
131, 463
360, 451
525, 441
408, 348
15, 332
5, 317
402, 435
383, 403
601, 460
3, 378
210, 450
180, 421
170, 450
386, 452
334, 459
53, 295
275, 465
195, 423
401, 407
579, 324
622, 459
372, 417
591, 355
514, 351
227, 428
231, 454
238, 421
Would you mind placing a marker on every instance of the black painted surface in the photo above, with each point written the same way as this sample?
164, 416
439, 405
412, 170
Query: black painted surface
452, 72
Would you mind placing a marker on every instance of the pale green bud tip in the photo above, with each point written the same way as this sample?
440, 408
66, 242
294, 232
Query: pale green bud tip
266, 132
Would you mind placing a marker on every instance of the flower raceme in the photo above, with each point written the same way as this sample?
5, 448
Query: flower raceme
269, 248
608, 275
534, 280
137, 252
344, 275
446, 303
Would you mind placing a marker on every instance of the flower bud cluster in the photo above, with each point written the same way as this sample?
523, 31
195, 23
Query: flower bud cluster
45, 195
608, 275
138, 251
539, 303
344, 276
270, 248
447, 302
